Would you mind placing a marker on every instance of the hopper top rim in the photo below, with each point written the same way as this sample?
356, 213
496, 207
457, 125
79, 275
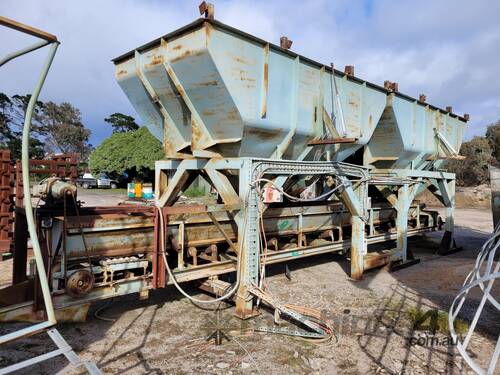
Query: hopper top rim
200, 21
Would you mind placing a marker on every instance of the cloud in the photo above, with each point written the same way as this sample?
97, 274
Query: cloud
445, 49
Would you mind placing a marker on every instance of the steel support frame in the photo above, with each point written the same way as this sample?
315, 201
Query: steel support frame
401, 201
406, 195
442, 185
447, 191
174, 172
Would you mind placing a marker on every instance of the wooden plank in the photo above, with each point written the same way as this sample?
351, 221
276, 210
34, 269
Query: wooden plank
27, 29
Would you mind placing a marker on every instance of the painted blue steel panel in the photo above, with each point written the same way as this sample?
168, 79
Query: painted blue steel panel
406, 135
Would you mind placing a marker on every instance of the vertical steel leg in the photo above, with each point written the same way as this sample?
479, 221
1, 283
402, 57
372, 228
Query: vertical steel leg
248, 233
358, 247
180, 251
372, 226
447, 190
402, 207
356, 202
159, 269
450, 207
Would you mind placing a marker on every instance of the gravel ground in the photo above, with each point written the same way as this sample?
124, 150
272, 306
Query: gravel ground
102, 197
167, 335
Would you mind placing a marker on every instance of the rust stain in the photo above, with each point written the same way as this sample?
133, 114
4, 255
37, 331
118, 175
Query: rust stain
121, 72
181, 90
196, 134
370, 120
156, 60
208, 83
263, 134
265, 84
244, 77
266, 75
185, 54
208, 29
248, 79
73, 313
168, 147
233, 115
373, 260
177, 47
208, 112
178, 87
240, 60
353, 99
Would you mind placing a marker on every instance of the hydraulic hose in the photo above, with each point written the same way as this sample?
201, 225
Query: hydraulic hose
172, 276
297, 199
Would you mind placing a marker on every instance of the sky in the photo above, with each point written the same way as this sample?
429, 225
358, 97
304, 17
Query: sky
447, 49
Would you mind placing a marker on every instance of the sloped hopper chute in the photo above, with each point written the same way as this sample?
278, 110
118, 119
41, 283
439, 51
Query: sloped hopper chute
410, 134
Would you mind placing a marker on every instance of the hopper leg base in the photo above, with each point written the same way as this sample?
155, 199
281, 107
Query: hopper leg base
448, 244
398, 265
246, 314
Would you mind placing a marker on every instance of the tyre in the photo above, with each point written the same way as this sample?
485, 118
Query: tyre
113, 185
85, 185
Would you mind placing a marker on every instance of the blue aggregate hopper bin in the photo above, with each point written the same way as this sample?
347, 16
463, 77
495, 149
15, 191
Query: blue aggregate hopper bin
209, 90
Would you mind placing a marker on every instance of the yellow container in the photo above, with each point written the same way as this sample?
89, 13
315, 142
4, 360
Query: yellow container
138, 189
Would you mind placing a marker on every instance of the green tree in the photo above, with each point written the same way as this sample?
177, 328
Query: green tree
54, 127
12, 112
5, 119
473, 170
493, 136
63, 130
121, 123
133, 153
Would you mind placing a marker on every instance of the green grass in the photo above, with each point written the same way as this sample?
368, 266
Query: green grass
416, 315
195, 191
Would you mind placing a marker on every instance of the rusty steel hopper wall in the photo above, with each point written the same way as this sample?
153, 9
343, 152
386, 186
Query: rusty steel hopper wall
209, 90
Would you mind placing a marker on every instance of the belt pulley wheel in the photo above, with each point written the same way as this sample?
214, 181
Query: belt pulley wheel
79, 283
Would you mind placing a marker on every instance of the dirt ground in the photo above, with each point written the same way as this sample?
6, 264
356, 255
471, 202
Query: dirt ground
166, 334
465, 197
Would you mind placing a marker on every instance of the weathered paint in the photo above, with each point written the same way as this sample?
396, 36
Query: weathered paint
405, 137
358, 247
243, 98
